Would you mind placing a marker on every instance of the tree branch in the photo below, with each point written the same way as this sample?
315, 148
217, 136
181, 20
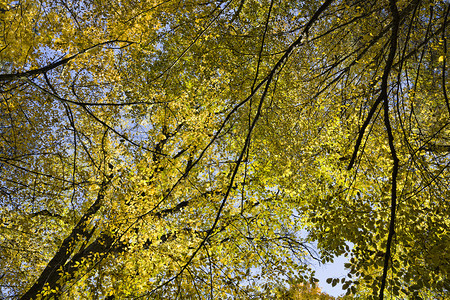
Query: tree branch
393, 48
54, 65
50, 273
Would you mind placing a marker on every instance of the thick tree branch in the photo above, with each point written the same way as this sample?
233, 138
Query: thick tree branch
444, 39
384, 82
50, 273
395, 167
100, 248
54, 65
45, 213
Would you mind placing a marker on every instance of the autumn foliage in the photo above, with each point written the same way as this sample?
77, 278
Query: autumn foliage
163, 149
303, 291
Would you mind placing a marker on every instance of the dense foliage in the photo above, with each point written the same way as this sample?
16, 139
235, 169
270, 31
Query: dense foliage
302, 291
190, 149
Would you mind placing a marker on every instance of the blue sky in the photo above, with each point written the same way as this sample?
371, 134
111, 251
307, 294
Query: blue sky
334, 270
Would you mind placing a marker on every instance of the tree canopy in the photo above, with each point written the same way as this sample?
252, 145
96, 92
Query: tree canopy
163, 149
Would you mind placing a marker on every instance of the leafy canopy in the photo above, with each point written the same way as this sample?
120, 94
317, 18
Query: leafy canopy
187, 149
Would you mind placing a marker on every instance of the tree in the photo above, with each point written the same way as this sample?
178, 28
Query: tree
159, 149
301, 291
